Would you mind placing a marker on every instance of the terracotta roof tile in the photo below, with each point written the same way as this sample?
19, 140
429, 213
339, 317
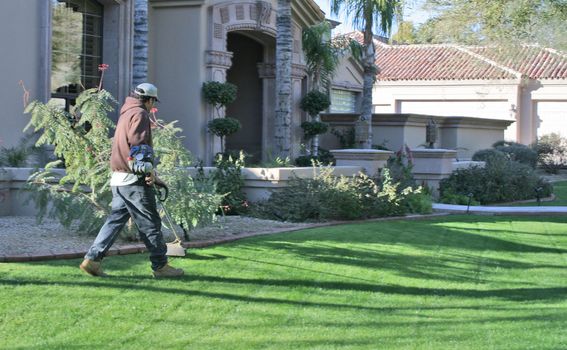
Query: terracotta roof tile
452, 62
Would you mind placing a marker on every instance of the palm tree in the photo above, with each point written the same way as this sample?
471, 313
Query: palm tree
322, 56
370, 15
284, 50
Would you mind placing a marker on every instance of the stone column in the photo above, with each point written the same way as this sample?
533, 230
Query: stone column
430, 166
140, 66
267, 72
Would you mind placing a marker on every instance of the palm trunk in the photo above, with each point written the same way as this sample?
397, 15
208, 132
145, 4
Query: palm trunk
284, 49
365, 139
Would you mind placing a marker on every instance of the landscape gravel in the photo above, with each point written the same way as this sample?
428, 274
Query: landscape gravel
23, 235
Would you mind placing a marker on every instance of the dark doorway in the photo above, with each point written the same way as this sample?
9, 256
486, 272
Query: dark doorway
247, 108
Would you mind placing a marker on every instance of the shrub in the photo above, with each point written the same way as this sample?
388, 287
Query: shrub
219, 94
324, 158
552, 152
327, 197
490, 155
229, 182
496, 182
313, 128
346, 137
520, 153
224, 126
315, 102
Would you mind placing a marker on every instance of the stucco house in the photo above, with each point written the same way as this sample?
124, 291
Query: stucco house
175, 44
526, 84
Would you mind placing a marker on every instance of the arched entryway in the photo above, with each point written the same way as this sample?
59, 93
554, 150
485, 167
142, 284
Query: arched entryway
247, 52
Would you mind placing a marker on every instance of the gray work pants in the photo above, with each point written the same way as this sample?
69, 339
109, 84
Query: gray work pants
139, 202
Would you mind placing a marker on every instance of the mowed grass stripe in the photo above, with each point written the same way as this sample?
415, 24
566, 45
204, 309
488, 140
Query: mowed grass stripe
462, 282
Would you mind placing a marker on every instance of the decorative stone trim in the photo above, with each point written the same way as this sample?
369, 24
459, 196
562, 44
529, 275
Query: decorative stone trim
221, 59
433, 153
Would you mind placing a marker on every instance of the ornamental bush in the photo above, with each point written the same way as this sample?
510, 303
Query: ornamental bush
224, 126
552, 152
496, 182
517, 152
314, 102
328, 197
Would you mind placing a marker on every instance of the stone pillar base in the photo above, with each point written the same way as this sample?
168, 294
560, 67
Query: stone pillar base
371, 160
430, 166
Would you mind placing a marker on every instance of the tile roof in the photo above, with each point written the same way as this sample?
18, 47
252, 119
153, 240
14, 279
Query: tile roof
454, 62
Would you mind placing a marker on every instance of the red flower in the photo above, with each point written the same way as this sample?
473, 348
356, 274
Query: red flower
154, 110
102, 67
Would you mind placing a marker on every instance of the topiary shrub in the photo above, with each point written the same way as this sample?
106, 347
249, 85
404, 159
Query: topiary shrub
313, 128
219, 94
223, 127
314, 102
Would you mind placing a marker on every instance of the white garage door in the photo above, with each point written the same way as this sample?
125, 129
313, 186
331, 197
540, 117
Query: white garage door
479, 109
552, 117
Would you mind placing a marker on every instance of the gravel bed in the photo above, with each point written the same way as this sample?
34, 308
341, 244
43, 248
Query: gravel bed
22, 235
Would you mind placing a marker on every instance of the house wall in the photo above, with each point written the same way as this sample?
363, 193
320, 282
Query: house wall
177, 41
24, 58
483, 99
198, 31
538, 107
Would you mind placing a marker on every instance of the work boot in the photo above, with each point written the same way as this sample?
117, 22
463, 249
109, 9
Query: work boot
92, 268
168, 271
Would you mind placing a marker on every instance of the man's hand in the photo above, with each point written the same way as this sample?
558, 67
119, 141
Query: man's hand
151, 178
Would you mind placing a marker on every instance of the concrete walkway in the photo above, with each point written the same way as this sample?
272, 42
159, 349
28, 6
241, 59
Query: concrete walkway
497, 210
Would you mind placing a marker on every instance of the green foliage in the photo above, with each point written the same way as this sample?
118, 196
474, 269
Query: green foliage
552, 152
495, 182
518, 152
505, 22
490, 155
229, 182
313, 128
324, 158
346, 137
22, 155
219, 94
314, 102
224, 126
328, 197
83, 194
406, 33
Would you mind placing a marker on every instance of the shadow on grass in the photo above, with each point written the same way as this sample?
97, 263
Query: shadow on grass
514, 294
428, 250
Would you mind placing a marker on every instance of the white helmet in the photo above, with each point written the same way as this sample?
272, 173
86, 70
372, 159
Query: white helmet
147, 89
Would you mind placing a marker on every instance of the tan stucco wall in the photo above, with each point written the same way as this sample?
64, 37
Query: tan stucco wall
177, 41
21, 59
484, 99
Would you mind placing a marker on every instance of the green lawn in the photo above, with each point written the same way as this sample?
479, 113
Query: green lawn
456, 282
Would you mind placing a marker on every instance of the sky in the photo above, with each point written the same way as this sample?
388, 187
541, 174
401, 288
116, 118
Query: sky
412, 13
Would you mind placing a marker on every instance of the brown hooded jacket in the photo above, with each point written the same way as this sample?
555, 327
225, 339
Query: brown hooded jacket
133, 129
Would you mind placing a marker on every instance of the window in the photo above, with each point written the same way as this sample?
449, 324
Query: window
343, 101
76, 48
